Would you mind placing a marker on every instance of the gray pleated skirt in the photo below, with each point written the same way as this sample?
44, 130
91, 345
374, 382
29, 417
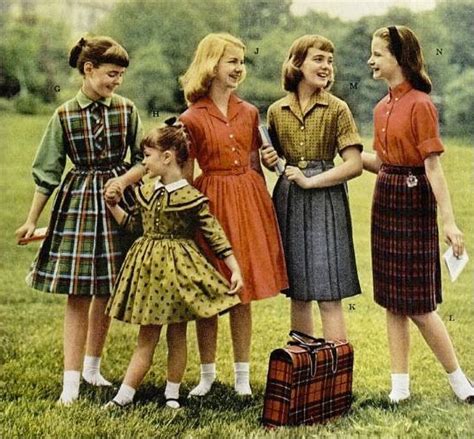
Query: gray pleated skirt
316, 230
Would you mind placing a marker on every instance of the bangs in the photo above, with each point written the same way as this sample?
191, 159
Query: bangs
115, 54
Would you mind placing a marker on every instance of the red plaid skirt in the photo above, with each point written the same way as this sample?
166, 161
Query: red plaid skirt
405, 246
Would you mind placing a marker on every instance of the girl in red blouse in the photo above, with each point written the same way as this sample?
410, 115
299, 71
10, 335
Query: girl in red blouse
410, 185
224, 140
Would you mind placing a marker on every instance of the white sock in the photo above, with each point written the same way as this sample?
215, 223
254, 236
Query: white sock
71, 381
242, 376
124, 395
460, 384
208, 376
172, 392
400, 387
91, 372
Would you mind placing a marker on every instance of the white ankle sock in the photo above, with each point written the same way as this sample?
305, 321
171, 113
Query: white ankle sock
400, 387
91, 372
71, 382
242, 377
124, 395
460, 384
208, 376
172, 392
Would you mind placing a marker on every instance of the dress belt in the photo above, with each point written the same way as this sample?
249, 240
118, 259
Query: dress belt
403, 170
230, 171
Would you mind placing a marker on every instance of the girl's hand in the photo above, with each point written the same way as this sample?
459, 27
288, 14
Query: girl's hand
294, 173
269, 155
455, 238
25, 231
236, 282
113, 191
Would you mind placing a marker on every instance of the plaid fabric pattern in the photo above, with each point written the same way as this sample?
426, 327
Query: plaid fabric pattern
405, 247
85, 247
308, 388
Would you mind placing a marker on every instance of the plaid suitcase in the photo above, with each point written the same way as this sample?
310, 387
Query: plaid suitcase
308, 382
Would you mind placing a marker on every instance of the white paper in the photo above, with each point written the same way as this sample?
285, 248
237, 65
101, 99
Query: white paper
455, 265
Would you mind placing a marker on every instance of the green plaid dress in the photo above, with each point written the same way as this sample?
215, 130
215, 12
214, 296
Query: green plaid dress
84, 247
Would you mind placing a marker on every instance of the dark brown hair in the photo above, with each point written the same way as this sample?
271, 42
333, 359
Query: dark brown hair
291, 73
407, 51
171, 136
97, 50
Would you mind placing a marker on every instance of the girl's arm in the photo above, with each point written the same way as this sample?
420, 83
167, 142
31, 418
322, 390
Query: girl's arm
371, 161
236, 282
37, 205
117, 212
434, 172
133, 175
352, 167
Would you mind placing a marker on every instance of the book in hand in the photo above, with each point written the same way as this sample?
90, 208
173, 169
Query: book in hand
280, 166
38, 235
455, 265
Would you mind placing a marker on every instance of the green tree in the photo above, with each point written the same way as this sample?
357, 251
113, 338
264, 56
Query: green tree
460, 105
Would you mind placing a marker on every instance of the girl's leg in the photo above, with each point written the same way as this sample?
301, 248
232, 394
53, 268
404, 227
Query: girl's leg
74, 340
206, 330
332, 320
302, 316
140, 364
177, 357
241, 331
99, 324
436, 336
398, 332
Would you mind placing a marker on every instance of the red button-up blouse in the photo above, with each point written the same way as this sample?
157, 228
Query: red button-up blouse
406, 127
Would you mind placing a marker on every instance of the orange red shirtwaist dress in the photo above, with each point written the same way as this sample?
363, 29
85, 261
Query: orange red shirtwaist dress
225, 148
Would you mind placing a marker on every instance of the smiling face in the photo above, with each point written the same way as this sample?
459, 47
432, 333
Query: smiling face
384, 65
317, 68
230, 69
102, 81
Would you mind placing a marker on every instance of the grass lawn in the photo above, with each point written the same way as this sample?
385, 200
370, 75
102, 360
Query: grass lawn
31, 339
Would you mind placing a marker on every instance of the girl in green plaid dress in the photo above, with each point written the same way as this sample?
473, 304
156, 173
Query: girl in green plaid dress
84, 248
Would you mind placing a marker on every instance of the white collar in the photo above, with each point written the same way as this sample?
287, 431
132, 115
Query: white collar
170, 187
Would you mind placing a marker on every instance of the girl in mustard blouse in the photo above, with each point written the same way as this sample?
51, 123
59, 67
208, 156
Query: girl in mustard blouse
410, 185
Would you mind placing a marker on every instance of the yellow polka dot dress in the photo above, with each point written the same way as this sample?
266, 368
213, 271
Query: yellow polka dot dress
165, 278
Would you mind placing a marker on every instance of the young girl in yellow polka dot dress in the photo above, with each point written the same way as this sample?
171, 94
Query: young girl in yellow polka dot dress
165, 279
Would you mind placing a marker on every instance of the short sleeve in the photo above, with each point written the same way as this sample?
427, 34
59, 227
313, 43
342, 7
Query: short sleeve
347, 133
135, 136
425, 126
133, 222
190, 130
50, 159
213, 232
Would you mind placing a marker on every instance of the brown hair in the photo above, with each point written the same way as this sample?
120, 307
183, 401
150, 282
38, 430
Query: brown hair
97, 50
171, 136
407, 51
291, 73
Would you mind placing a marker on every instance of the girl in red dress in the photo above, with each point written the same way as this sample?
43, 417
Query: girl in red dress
410, 185
224, 140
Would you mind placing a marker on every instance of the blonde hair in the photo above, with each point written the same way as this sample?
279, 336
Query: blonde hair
410, 56
291, 72
197, 80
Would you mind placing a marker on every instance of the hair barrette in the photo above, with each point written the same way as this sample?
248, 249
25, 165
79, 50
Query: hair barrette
171, 121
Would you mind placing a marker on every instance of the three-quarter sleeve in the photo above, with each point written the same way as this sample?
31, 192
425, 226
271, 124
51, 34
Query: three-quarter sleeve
212, 231
346, 132
424, 120
133, 222
50, 160
134, 137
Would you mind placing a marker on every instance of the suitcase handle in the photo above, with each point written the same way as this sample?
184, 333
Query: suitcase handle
300, 338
